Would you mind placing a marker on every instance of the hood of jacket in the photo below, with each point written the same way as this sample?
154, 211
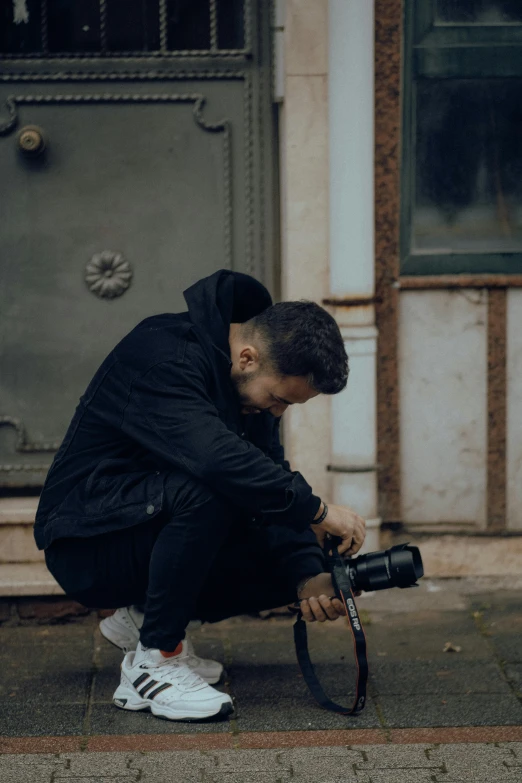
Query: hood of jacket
225, 297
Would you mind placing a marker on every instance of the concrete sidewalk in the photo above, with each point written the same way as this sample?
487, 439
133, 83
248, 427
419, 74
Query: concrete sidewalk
431, 715
480, 763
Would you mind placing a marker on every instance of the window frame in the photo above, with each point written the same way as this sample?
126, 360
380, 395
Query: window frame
448, 51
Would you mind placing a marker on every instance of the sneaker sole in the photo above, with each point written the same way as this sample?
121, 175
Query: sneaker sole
126, 700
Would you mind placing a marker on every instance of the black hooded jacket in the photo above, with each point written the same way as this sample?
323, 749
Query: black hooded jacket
163, 400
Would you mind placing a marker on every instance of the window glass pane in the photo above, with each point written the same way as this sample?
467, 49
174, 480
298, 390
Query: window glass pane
73, 26
468, 166
188, 24
484, 12
20, 27
132, 25
231, 22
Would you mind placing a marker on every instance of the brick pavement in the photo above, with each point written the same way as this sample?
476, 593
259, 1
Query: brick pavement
432, 716
451, 763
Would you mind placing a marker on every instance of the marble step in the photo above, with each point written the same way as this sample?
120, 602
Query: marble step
16, 531
27, 579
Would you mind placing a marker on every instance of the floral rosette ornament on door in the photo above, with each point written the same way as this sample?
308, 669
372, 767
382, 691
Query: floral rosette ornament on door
108, 274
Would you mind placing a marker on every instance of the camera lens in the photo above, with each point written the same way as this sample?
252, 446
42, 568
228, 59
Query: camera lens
399, 566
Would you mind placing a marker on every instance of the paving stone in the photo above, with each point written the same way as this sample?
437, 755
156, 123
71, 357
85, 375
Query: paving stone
98, 779
49, 636
250, 760
92, 764
322, 768
479, 776
27, 776
274, 644
167, 776
497, 603
501, 620
108, 719
19, 768
58, 674
340, 754
208, 645
409, 678
341, 777
470, 757
41, 719
184, 760
395, 756
40, 672
107, 677
268, 653
464, 710
513, 672
508, 647
422, 636
515, 748
239, 777
275, 698
402, 776
166, 766
324, 764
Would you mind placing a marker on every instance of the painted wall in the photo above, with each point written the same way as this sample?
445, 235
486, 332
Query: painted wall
443, 405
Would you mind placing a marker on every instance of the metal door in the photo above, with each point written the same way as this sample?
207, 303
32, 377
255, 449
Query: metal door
136, 156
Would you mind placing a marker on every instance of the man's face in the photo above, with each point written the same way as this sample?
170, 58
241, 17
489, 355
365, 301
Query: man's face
260, 389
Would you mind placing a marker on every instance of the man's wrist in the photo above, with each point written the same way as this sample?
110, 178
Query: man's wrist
319, 511
303, 582
321, 514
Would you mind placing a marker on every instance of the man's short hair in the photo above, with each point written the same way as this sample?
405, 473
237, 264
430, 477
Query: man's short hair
303, 339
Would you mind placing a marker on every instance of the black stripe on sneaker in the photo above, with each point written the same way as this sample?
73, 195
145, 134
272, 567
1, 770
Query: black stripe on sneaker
140, 679
161, 688
147, 687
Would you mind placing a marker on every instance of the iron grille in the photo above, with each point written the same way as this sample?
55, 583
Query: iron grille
124, 28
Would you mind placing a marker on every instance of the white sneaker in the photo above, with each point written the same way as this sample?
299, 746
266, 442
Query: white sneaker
123, 630
168, 687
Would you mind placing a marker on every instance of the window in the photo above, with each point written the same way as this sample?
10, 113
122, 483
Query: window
462, 151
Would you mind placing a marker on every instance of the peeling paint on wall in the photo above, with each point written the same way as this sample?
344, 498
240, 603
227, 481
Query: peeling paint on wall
20, 12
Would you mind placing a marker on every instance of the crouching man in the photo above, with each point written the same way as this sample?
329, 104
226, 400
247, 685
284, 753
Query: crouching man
170, 489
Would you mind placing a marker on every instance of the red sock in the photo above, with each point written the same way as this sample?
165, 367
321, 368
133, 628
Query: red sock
177, 651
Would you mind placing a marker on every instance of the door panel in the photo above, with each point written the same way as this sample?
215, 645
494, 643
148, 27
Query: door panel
149, 180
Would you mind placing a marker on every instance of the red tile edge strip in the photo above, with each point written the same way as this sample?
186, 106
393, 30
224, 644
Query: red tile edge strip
260, 739
302, 739
457, 734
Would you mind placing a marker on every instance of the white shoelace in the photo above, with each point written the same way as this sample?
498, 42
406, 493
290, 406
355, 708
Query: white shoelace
179, 671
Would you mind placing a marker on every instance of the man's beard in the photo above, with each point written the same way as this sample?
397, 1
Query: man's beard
242, 385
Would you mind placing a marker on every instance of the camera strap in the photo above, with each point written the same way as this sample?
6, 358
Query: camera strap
343, 591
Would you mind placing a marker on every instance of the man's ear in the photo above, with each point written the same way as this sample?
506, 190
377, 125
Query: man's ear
248, 357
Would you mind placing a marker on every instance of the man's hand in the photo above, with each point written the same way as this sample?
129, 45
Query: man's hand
317, 602
341, 521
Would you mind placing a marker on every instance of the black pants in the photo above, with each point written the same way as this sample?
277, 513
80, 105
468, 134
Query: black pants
200, 558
